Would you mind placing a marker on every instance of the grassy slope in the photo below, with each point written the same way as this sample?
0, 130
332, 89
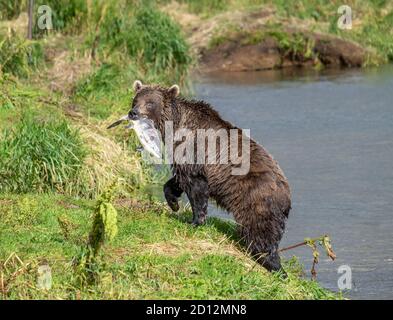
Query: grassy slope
156, 254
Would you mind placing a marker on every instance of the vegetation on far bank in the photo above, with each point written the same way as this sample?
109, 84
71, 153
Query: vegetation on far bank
58, 93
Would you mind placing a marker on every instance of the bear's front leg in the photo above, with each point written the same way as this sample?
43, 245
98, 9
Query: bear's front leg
198, 193
172, 193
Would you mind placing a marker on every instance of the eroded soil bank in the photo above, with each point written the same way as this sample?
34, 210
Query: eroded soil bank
261, 40
270, 52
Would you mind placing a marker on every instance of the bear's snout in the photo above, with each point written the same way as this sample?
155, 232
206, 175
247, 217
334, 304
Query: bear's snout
134, 114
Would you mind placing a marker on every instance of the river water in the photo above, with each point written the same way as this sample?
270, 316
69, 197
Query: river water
332, 134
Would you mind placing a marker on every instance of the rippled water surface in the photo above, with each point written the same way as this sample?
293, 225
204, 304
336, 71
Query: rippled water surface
332, 134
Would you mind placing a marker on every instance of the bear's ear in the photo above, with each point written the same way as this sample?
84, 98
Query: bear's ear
137, 86
174, 91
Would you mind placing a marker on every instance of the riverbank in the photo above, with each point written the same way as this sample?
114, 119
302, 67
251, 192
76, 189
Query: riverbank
263, 35
156, 255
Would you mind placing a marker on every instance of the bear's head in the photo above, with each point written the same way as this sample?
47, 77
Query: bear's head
151, 101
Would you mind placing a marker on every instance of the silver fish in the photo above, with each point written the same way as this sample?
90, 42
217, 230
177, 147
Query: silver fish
147, 134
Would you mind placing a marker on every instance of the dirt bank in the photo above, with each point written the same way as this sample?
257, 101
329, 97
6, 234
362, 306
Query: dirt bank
287, 48
261, 40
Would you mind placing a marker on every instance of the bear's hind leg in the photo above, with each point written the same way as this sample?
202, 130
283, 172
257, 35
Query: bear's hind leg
271, 262
262, 238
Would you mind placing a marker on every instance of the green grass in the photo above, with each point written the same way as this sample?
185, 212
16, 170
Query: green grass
10, 9
136, 30
19, 56
37, 136
156, 255
17, 96
101, 81
206, 7
106, 90
147, 35
40, 156
68, 16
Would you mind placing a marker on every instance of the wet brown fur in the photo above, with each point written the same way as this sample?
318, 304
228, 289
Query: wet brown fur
260, 200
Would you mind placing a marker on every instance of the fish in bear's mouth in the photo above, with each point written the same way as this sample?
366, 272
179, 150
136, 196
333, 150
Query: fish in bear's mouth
147, 134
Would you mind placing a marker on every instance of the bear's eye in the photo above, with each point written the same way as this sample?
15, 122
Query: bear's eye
150, 106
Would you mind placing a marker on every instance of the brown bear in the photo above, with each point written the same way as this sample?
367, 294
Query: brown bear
259, 199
